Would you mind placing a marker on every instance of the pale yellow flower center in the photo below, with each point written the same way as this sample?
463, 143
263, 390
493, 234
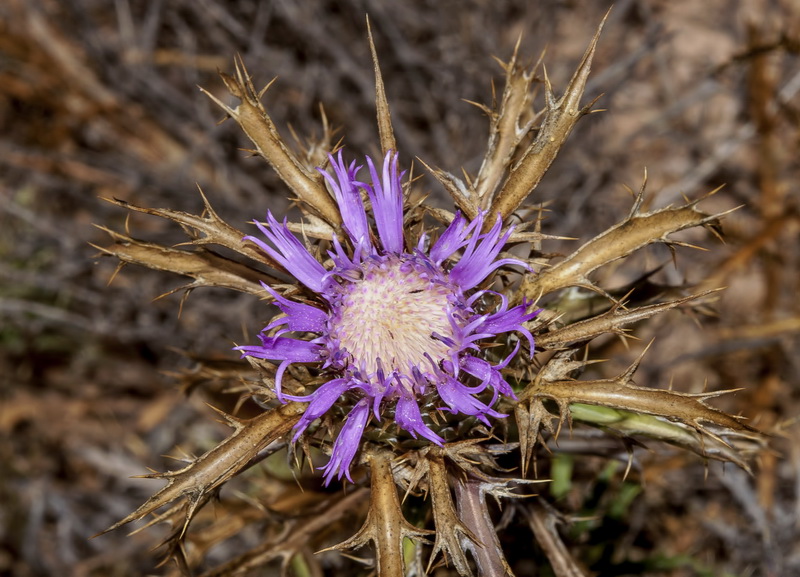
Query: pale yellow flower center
395, 315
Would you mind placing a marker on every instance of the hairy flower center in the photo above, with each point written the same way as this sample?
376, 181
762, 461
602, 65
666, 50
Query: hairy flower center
396, 314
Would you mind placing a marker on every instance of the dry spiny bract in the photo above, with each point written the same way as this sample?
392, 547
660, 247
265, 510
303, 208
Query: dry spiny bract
411, 357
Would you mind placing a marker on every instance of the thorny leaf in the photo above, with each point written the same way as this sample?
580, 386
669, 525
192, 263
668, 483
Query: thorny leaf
560, 118
177, 517
213, 229
223, 527
450, 531
220, 374
609, 322
385, 525
618, 393
635, 425
456, 189
381, 103
530, 416
454, 534
507, 129
471, 454
563, 365
207, 268
259, 127
197, 480
635, 232
576, 303
314, 150
312, 227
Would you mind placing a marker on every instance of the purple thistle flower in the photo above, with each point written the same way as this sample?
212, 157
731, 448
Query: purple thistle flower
392, 325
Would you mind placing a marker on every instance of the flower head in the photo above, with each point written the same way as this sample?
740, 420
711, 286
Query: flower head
391, 324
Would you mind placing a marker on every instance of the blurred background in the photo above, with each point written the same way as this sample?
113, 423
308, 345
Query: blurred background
100, 99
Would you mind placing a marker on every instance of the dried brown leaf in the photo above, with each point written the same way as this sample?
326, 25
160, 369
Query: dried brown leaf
560, 118
191, 549
259, 127
612, 321
381, 103
456, 189
530, 416
204, 229
543, 524
289, 543
314, 151
507, 129
690, 409
208, 472
450, 531
385, 525
312, 227
206, 267
635, 232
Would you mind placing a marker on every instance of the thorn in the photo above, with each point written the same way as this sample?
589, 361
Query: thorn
229, 419
630, 463
685, 245
324, 119
627, 376
267, 87
467, 178
548, 89
485, 109
119, 267
206, 204
184, 297
228, 110
639, 198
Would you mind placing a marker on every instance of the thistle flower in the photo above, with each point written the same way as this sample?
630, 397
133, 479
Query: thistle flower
393, 325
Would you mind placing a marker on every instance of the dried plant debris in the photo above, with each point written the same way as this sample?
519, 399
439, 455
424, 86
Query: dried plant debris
419, 349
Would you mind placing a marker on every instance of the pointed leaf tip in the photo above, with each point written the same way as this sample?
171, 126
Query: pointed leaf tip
385, 130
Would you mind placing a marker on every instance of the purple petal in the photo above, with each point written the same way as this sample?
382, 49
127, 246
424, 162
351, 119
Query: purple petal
407, 416
340, 258
290, 253
283, 349
386, 196
505, 321
321, 401
299, 317
457, 397
347, 443
381, 387
467, 331
478, 260
490, 374
349, 200
453, 238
